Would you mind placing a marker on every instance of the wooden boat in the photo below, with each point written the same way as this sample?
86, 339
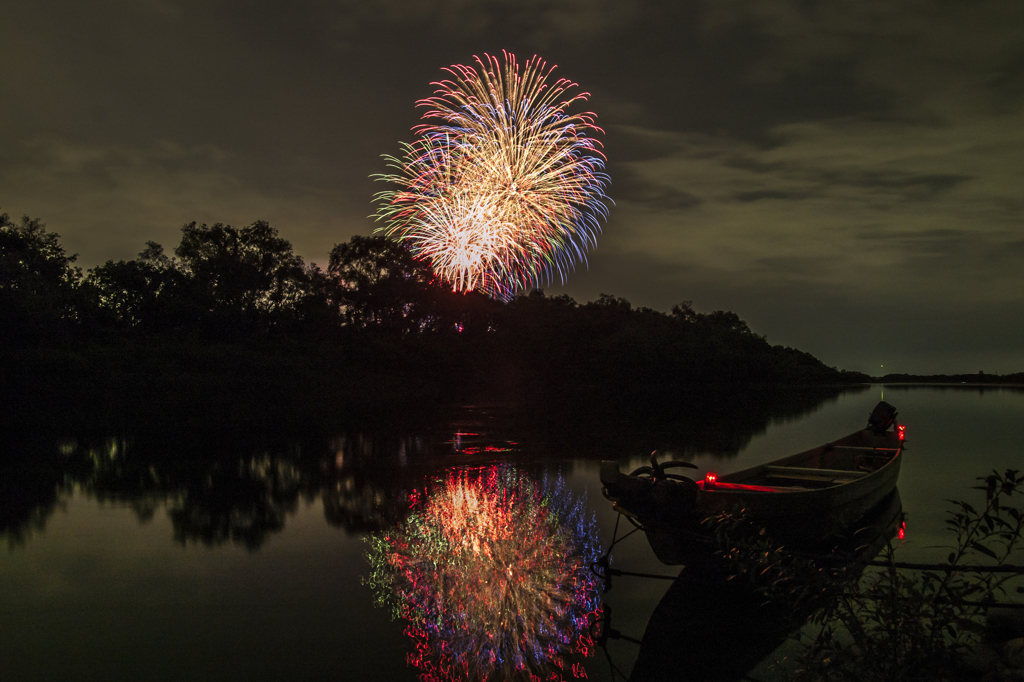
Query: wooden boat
800, 500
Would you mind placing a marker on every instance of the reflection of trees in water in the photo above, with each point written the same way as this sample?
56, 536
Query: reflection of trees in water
242, 504
223, 484
705, 419
365, 488
218, 498
207, 501
28, 496
360, 503
36, 477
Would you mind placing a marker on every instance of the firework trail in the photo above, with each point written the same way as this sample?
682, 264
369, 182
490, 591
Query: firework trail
492, 573
504, 188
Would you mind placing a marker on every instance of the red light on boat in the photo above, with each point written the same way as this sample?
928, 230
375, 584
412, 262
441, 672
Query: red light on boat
709, 480
903, 530
902, 431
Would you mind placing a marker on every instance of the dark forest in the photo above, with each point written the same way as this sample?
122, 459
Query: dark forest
236, 313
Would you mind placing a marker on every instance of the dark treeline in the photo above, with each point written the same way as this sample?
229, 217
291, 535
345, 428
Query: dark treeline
238, 307
1016, 378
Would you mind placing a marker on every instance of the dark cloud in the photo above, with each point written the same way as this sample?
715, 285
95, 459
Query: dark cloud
935, 236
763, 194
907, 185
1007, 78
626, 144
630, 187
700, 79
750, 164
818, 182
655, 198
1015, 247
796, 268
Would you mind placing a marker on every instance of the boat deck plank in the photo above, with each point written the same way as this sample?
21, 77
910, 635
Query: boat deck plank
811, 472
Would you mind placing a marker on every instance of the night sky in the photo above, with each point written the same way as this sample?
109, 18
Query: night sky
845, 176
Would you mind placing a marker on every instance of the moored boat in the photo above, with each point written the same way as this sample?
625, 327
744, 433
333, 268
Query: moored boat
802, 499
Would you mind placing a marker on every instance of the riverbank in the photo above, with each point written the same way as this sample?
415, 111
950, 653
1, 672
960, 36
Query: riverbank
979, 379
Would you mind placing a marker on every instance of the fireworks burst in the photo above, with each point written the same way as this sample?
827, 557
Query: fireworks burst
503, 188
492, 571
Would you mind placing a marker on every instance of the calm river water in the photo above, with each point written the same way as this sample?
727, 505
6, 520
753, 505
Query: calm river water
130, 559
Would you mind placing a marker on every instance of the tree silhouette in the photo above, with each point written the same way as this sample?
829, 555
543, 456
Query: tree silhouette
379, 284
38, 284
249, 275
131, 293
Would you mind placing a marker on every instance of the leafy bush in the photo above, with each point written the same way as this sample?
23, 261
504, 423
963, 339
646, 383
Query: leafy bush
898, 624
891, 621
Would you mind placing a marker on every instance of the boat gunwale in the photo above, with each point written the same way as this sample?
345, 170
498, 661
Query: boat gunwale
754, 473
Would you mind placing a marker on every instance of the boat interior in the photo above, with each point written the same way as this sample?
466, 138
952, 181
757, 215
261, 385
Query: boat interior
843, 461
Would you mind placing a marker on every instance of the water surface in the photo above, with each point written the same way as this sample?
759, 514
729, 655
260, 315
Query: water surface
135, 557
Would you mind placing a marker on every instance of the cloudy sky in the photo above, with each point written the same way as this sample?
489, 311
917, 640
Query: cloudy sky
844, 175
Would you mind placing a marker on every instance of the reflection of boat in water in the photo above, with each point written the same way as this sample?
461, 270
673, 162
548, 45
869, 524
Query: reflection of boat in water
707, 628
799, 499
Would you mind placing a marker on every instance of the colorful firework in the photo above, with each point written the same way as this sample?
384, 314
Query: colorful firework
492, 571
504, 188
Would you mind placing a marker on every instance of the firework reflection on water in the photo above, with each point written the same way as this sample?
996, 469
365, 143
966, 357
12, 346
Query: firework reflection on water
492, 572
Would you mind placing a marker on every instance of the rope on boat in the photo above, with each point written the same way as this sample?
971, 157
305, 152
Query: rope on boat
602, 567
615, 571
607, 631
